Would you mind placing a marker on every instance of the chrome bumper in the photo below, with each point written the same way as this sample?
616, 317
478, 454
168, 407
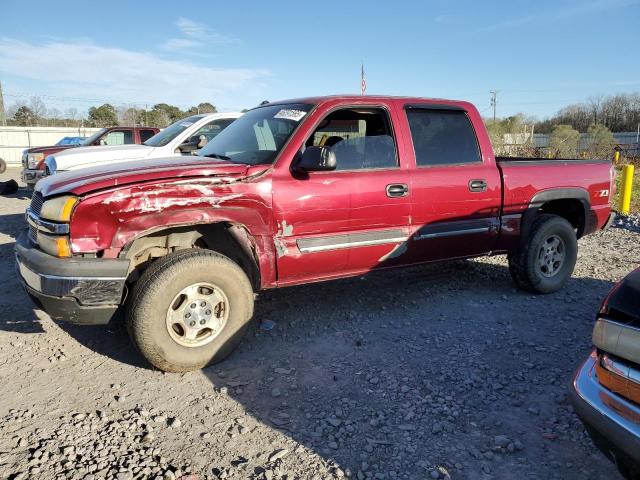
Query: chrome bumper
613, 417
31, 175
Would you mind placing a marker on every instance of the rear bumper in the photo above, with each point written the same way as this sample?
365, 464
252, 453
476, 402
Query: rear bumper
615, 420
84, 291
610, 220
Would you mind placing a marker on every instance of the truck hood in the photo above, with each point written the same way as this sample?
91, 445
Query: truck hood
92, 179
82, 157
50, 149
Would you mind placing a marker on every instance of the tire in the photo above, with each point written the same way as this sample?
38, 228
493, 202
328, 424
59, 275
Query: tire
525, 264
157, 301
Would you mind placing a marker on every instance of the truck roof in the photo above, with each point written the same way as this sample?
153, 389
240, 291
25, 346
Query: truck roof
371, 98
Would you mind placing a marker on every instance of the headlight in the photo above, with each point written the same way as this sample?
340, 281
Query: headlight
59, 209
33, 159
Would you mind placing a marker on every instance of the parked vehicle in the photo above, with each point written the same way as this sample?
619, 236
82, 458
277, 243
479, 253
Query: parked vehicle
33, 166
605, 391
183, 137
71, 141
290, 193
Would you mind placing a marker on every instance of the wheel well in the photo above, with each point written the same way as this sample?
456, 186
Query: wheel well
231, 240
571, 209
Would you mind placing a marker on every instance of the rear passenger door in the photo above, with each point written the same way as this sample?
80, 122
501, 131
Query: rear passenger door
456, 193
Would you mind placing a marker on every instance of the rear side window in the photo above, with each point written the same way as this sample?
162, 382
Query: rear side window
442, 137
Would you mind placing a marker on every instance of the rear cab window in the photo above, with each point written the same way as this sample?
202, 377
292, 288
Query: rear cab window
442, 137
119, 137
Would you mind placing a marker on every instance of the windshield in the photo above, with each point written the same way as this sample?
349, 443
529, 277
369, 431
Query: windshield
257, 136
91, 140
163, 137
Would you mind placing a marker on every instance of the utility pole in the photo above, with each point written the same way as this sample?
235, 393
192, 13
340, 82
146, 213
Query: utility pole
3, 119
493, 102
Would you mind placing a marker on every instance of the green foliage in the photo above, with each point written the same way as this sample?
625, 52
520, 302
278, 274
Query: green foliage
103, 116
204, 107
564, 142
24, 117
601, 142
172, 112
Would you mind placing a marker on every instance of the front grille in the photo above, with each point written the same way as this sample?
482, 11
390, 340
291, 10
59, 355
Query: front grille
36, 203
33, 234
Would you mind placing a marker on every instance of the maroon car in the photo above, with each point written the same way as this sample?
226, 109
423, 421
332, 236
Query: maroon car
295, 192
33, 158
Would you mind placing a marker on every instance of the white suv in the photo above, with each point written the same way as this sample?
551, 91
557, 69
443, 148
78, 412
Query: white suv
183, 137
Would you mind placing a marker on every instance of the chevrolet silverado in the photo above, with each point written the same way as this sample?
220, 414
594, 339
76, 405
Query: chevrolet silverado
295, 192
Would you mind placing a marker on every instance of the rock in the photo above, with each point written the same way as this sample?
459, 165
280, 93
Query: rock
278, 454
174, 422
501, 441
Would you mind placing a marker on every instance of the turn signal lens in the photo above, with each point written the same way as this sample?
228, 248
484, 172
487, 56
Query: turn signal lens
55, 245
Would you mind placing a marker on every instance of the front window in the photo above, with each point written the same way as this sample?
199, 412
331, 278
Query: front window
162, 138
257, 137
93, 138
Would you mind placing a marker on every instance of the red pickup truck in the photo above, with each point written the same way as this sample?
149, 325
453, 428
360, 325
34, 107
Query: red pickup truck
33, 167
294, 192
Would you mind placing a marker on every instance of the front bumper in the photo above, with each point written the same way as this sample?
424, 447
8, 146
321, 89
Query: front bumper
616, 421
31, 176
78, 290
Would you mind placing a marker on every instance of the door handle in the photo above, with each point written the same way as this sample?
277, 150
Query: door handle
397, 189
478, 185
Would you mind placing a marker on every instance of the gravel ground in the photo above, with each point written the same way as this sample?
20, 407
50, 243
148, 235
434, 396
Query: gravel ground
444, 371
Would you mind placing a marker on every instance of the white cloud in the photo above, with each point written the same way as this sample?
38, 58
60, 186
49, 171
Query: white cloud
82, 69
567, 12
194, 35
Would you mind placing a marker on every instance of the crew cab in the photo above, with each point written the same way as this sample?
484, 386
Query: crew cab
295, 192
605, 390
183, 137
33, 167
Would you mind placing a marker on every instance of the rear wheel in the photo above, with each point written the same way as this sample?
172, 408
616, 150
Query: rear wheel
189, 309
546, 259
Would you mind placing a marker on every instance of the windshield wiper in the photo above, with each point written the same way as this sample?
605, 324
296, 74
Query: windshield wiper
218, 156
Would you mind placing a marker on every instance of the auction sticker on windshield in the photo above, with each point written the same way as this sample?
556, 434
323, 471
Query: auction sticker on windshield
289, 114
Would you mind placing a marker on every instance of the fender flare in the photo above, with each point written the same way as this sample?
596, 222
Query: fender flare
545, 196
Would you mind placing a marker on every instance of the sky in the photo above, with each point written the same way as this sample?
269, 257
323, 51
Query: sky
538, 56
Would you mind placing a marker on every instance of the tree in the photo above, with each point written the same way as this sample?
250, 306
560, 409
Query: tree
564, 141
103, 116
38, 108
204, 107
600, 142
157, 118
173, 112
24, 116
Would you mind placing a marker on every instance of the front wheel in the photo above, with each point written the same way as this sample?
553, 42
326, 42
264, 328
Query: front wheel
189, 309
546, 259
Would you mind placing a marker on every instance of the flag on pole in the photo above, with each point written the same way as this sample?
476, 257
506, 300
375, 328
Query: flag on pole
363, 81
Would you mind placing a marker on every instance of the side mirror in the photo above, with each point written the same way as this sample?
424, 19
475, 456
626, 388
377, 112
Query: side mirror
316, 159
102, 141
194, 143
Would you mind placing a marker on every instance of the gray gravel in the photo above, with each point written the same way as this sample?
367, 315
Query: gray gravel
444, 371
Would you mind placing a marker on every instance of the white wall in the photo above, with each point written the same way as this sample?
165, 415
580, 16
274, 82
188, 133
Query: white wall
13, 140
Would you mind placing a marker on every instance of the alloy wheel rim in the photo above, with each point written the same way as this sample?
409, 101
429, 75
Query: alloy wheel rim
551, 256
197, 314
